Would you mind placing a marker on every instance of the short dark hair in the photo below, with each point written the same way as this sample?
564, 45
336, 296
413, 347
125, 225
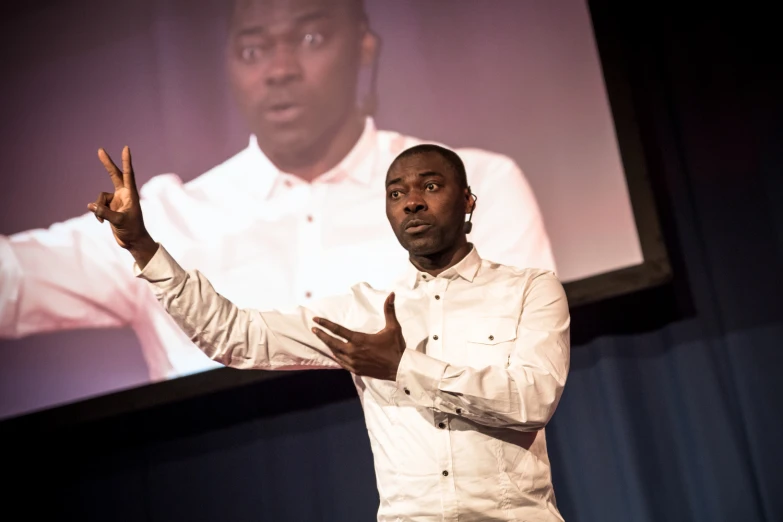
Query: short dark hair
358, 10
451, 157
355, 8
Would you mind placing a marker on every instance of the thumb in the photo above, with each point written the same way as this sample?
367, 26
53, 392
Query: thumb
103, 212
390, 313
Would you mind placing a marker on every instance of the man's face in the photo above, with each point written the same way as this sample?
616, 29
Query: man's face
426, 204
294, 68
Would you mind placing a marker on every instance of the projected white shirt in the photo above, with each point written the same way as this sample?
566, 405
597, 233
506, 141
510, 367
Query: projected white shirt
265, 239
460, 434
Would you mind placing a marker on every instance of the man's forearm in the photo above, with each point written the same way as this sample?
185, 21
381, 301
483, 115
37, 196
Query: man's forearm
240, 338
522, 398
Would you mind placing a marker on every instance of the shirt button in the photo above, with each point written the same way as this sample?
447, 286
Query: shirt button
308, 295
424, 276
435, 337
445, 473
459, 411
309, 219
442, 425
407, 391
287, 183
437, 297
491, 337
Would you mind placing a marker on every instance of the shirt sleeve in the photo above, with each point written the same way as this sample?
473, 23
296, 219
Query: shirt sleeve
505, 198
70, 275
522, 396
241, 338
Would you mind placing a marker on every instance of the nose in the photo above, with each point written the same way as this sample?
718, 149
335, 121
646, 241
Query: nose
284, 66
415, 203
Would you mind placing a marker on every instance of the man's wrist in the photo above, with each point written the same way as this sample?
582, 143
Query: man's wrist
394, 368
143, 250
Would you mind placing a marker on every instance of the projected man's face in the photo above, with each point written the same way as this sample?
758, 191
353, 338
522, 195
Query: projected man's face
294, 65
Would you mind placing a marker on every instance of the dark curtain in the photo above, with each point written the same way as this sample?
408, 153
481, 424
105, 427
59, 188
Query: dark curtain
659, 422
684, 422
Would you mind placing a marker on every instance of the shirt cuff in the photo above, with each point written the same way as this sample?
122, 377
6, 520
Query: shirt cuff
419, 375
162, 271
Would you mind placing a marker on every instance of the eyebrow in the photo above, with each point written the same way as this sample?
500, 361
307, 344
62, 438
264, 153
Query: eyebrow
425, 174
320, 14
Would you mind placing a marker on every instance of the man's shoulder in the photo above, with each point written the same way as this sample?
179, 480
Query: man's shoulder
236, 165
539, 284
164, 184
515, 274
477, 160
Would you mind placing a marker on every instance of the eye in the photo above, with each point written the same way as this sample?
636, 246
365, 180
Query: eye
312, 39
250, 54
431, 186
394, 194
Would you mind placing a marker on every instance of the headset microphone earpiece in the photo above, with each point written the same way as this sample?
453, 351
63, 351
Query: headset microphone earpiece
468, 225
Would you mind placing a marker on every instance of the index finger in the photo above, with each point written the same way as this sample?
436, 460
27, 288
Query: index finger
336, 329
128, 178
111, 168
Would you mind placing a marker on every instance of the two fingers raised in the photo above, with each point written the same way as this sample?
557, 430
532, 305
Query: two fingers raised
120, 179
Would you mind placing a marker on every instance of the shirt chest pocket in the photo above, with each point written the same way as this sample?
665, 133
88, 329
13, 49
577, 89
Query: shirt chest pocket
485, 341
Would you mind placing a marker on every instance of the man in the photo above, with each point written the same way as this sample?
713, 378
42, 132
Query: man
458, 369
304, 189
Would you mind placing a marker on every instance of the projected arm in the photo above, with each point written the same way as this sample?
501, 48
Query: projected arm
232, 336
67, 276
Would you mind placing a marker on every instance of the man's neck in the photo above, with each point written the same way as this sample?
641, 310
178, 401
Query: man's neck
324, 155
440, 262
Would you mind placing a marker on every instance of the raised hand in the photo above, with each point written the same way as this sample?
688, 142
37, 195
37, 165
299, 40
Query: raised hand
122, 209
373, 355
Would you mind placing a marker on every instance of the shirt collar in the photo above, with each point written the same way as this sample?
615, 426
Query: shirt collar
356, 165
467, 268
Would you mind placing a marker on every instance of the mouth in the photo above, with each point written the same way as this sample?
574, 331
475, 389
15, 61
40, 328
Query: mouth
284, 112
417, 226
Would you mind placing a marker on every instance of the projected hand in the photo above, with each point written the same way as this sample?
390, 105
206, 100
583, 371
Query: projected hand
373, 355
122, 209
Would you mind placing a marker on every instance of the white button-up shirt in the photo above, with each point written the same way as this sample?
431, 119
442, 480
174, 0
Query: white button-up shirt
460, 434
265, 239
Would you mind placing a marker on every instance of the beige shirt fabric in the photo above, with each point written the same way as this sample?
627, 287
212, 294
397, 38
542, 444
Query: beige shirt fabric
460, 434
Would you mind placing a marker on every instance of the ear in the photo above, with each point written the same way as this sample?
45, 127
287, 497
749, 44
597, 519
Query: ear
368, 58
370, 48
470, 201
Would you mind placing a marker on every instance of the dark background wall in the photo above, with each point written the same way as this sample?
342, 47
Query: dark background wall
672, 411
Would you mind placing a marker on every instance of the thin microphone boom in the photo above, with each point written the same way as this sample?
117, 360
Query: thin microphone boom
468, 224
